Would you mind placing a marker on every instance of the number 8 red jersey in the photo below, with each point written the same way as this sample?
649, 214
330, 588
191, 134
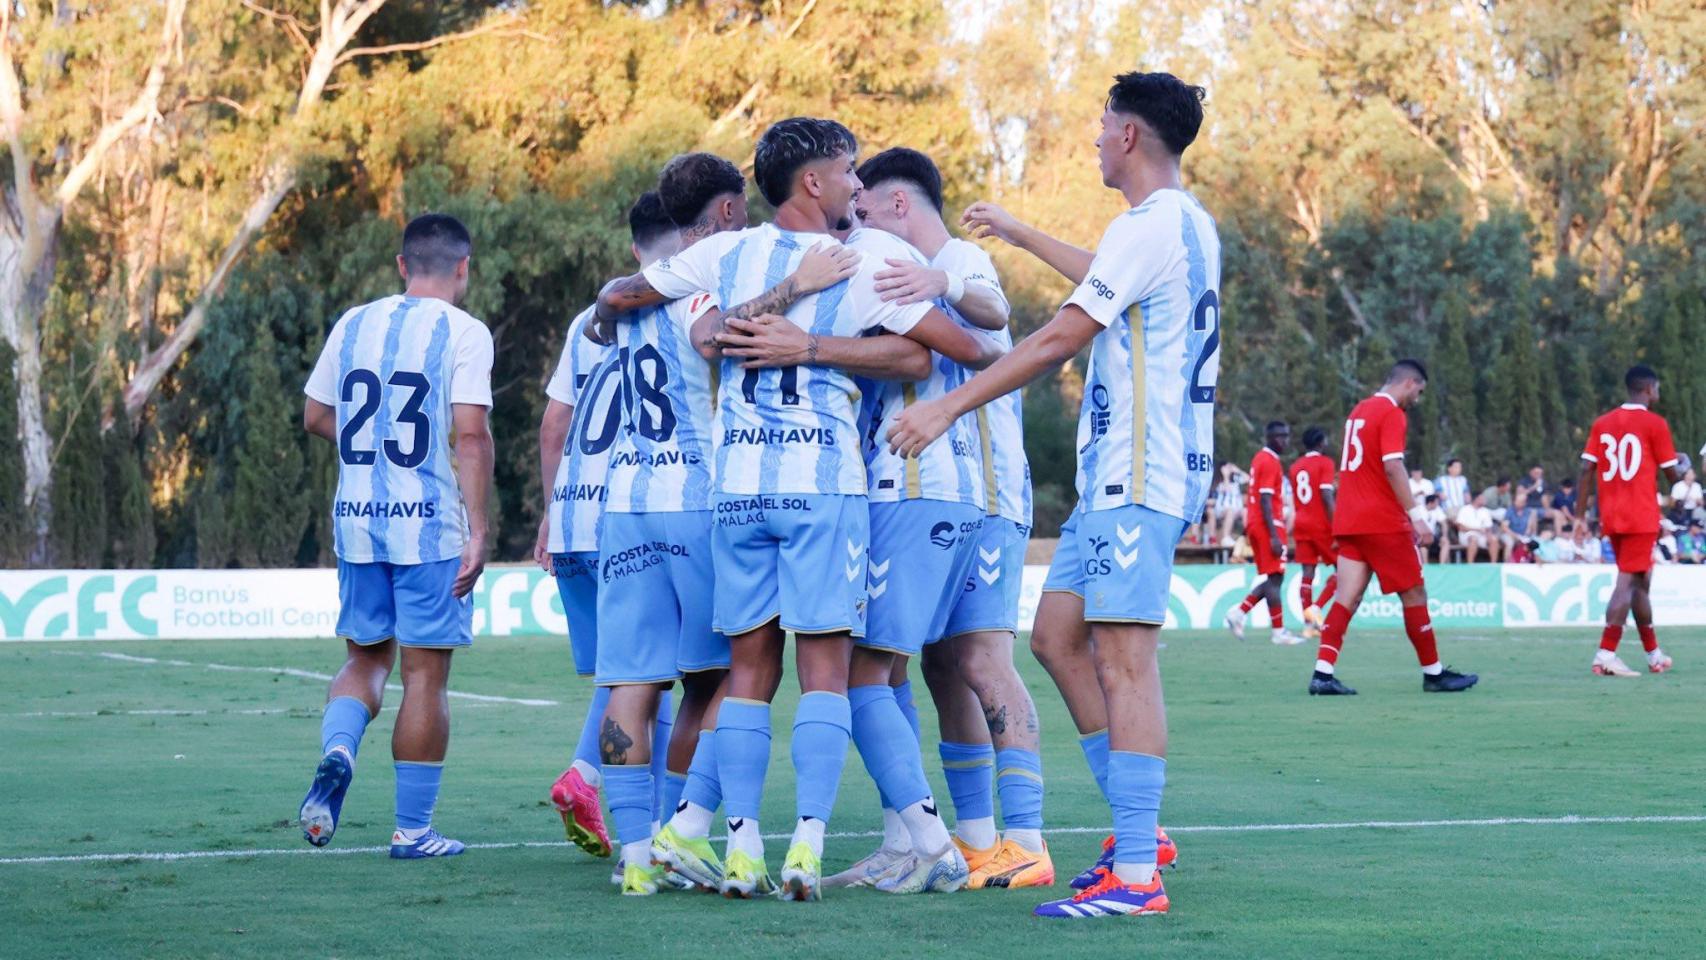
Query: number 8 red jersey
1629, 445
1374, 433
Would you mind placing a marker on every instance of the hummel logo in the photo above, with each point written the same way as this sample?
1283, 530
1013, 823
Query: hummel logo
930, 808
879, 589
1124, 559
879, 569
853, 552
853, 570
1128, 537
989, 574
989, 556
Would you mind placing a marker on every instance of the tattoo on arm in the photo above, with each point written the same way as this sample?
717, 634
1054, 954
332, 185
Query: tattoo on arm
628, 292
613, 742
777, 299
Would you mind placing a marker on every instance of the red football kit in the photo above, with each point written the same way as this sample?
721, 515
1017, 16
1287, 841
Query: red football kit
1629, 446
1266, 476
1368, 522
1312, 473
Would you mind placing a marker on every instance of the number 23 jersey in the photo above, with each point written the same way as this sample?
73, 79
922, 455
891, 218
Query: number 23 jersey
1629, 446
391, 369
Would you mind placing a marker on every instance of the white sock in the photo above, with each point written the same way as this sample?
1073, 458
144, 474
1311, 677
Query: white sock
1030, 839
929, 833
1322, 666
809, 830
1656, 655
895, 837
1432, 669
1134, 874
692, 821
978, 832
744, 836
413, 834
589, 773
638, 853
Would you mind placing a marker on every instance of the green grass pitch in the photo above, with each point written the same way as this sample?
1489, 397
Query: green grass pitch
106, 755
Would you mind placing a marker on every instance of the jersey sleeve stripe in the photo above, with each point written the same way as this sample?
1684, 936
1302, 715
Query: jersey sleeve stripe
914, 483
1393, 456
1668, 463
1590, 458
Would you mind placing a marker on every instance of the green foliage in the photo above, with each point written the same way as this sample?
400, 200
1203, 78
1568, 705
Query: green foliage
13, 533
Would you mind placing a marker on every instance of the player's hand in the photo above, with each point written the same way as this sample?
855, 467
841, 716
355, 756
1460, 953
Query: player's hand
541, 553
918, 426
984, 219
908, 282
1683, 462
766, 340
473, 563
1424, 533
824, 266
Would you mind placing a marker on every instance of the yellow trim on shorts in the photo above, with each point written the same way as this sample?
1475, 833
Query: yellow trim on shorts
1143, 623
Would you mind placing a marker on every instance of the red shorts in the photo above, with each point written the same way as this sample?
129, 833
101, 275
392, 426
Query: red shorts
1634, 551
1312, 550
1267, 555
1391, 555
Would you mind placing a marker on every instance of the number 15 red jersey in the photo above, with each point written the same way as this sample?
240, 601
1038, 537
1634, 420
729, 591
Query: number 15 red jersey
1374, 433
1629, 445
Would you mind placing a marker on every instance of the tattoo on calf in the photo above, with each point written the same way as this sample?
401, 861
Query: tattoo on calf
613, 742
996, 718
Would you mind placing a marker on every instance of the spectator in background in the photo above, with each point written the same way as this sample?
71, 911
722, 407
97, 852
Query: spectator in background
1534, 484
1475, 530
1439, 523
1665, 550
1577, 546
1229, 500
1453, 487
1548, 548
1526, 511
1421, 487
1521, 552
1498, 498
1691, 544
1686, 499
1564, 506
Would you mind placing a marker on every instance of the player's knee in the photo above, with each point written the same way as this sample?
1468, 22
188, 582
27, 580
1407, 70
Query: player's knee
938, 667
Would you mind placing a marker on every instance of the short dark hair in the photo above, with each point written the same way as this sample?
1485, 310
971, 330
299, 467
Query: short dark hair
907, 165
1567, 482
1314, 437
1407, 369
1171, 107
690, 181
1432, 498
434, 243
648, 221
1640, 376
1453, 460
791, 144
1275, 425
1502, 481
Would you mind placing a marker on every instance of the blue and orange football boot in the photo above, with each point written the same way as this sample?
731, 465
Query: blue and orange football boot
1166, 855
1109, 896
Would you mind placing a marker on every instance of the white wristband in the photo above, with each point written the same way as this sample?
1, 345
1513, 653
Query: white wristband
956, 287
1419, 514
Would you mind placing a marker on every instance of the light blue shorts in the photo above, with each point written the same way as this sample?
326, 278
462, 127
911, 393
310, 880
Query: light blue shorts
657, 580
412, 602
577, 586
800, 557
990, 600
1119, 560
921, 554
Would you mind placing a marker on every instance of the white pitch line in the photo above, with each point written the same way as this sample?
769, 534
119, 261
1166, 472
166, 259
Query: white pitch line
167, 712
1566, 820
290, 672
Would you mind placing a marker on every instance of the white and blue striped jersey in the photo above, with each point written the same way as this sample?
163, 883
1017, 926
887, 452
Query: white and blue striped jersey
1000, 423
951, 468
662, 459
392, 368
794, 429
1146, 426
589, 379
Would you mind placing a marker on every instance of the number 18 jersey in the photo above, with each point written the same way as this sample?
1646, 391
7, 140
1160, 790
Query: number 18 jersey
1629, 446
391, 369
661, 462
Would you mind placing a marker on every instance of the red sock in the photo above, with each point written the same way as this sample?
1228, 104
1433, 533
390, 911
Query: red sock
1306, 589
1649, 639
1327, 591
1276, 614
1609, 638
1421, 633
1333, 634
1250, 601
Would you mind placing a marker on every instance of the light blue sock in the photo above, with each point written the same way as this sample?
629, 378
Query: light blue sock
662, 803
1019, 778
345, 720
1134, 791
1095, 746
628, 789
743, 755
969, 769
417, 793
586, 750
822, 726
887, 746
908, 709
673, 786
703, 788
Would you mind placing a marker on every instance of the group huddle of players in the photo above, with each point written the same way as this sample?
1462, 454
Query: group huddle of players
812, 427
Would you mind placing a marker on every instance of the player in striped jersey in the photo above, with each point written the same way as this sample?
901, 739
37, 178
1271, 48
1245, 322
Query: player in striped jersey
397, 380
1149, 300
790, 496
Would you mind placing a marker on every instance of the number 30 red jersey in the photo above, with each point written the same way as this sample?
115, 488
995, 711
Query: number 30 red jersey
1374, 433
1629, 445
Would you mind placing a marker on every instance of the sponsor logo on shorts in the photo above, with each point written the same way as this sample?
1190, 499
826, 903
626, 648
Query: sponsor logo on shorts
750, 510
942, 535
624, 563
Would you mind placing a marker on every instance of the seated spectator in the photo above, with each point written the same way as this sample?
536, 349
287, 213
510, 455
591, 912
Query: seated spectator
1440, 524
1522, 552
1475, 530
1498, 498
1664, 551
1564, 506
1686, 498
1453, 487
1579, 546
1691, 544
1548, 548
1241, 550
1525, 513
1229, 499
1421, 487
1534, 484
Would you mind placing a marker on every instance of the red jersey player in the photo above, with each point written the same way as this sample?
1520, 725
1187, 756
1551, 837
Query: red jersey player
1263, 525
1312, 479
1378, 525
1625, 451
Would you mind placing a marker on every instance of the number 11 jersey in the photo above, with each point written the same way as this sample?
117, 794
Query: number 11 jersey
391, 369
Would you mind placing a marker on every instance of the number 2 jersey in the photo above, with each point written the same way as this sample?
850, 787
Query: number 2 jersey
1629, 446
1375, 433
794, 429
391, 369
1146, 425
